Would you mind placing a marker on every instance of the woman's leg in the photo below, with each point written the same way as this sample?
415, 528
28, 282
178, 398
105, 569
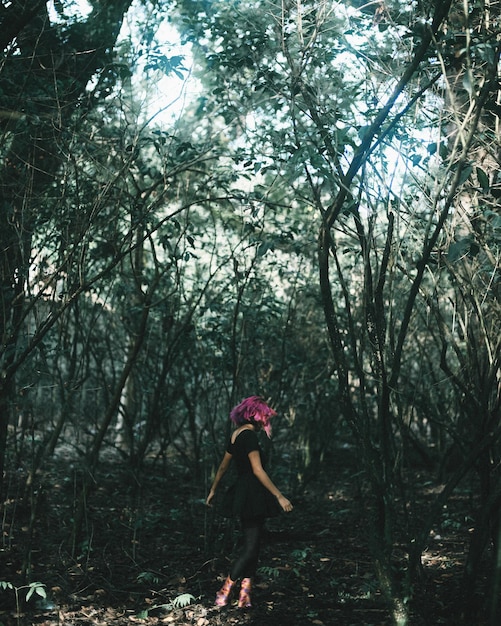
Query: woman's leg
222, 596
246, 564
244, 597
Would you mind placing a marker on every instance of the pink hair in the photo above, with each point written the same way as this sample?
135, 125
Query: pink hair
253, 410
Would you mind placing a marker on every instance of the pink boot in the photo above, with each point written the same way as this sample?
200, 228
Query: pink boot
224, 593
244, 599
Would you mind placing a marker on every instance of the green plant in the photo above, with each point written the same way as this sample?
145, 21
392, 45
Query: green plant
32, 588
147, 578
179, 602
269, 572
182, 600
300, 557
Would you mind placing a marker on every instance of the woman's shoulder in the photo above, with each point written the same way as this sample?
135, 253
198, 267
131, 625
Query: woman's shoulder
247, 441
244, 436
247, 433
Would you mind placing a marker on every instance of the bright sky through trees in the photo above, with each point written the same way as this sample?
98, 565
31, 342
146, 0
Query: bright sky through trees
165, 93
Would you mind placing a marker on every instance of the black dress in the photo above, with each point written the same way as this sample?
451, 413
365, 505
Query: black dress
247, 498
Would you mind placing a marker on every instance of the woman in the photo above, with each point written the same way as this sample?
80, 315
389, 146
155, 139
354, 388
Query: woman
254, 496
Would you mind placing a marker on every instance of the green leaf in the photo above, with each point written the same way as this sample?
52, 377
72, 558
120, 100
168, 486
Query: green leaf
462, 248
147, 578
457, 250
263, 248
483, 179
37, 588
41, 592
465, 174
443, 150
6, 585
183, 600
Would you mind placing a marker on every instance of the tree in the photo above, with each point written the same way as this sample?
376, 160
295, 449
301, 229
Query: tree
56, 59
327, 137
320, 226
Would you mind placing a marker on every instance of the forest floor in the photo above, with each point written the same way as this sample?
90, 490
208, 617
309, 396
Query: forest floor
151, 545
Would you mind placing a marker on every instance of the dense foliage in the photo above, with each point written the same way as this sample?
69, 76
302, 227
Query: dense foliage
320, 225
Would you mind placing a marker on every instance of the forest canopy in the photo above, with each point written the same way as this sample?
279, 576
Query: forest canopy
317, 221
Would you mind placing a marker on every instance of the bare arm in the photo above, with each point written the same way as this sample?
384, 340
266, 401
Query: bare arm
219, 474
265, 480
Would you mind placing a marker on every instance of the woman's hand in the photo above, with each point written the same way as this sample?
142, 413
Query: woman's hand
264, 479
285, 503
219, 474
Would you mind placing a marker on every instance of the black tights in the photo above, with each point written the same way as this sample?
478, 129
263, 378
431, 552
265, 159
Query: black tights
246, 564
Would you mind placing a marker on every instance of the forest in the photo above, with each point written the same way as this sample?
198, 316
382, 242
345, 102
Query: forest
203, 200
